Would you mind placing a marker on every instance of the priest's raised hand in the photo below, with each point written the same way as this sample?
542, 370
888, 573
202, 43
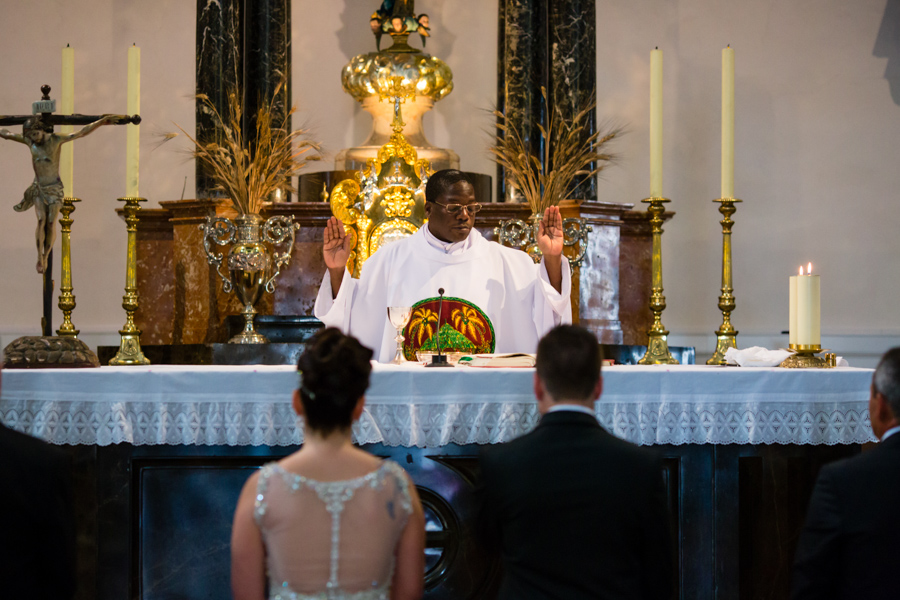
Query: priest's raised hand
336, 250
550, 242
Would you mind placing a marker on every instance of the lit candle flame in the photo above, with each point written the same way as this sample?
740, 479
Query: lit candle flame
801, 269
809, 269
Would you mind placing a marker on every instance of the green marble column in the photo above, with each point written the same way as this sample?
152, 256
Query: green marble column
550, 44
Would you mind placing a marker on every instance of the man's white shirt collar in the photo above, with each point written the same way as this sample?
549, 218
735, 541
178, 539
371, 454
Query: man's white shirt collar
447, 247
890, 432
575, 408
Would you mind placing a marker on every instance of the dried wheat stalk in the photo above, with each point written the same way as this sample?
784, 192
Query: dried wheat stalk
567, 154
248, 174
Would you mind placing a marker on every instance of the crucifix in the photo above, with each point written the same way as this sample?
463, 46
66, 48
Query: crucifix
46, 192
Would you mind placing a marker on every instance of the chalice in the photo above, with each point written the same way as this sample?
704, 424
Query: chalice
399, 317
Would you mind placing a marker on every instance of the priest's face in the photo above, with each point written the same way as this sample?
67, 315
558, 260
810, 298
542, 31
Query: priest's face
450, 226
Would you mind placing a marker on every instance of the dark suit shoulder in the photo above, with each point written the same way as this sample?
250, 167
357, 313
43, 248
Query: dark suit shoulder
579, 436
866, 464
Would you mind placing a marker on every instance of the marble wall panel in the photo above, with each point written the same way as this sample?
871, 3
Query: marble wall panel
196, 302
636, 254
599, 275
156, 286
572, 34
297, 286
266, 61
522, 69
219, 70
549, 44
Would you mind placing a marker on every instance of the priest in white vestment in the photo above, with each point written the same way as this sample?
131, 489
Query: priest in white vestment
522, 300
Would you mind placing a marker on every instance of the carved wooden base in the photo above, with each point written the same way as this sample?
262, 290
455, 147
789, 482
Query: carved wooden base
44, 352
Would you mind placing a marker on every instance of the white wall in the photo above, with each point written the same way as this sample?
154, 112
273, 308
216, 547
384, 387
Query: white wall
815, 134
100, 31
816, 157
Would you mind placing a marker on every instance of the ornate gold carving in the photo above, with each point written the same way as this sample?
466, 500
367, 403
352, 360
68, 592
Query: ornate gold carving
386, 226
398, 202
372, 75
397, 147
343, 196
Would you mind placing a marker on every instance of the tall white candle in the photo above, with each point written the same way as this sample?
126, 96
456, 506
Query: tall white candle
728, 122
656, 69
133, 133
67, 107
808, 310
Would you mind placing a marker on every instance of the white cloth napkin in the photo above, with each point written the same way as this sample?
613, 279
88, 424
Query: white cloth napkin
755, 356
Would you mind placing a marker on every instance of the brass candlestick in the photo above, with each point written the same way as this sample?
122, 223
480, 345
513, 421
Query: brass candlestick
726, 336
805, 358
130, 347
66, 298
658, 345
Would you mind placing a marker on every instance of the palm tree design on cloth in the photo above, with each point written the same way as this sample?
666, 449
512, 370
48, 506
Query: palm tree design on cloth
422, 324
467, 321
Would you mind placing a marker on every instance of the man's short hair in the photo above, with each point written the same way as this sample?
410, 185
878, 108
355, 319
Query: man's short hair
568, 362
887, 379
440, 182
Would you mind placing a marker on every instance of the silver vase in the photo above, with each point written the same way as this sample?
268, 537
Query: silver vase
252, 265
516, 233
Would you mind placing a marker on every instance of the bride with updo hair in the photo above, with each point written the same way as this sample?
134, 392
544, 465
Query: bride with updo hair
330, 520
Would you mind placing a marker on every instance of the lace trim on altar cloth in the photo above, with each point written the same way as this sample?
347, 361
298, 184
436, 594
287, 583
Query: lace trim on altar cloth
334, 494
434, 425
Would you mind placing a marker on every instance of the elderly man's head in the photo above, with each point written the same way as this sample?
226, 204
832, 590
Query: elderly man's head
884, 401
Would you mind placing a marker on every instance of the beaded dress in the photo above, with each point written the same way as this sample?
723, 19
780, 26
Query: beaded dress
331, 540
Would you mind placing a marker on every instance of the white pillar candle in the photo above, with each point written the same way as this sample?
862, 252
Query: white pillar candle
728, 122
67, 107
133, 133
656, 69
808, 310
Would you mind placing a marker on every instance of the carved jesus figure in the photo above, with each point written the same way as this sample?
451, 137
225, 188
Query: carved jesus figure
46, 192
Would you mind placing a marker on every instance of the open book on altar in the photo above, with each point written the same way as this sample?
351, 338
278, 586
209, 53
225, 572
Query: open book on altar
497, 360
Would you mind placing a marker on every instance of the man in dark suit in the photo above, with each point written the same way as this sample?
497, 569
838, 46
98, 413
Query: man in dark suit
37, 529
850, 544
574, 511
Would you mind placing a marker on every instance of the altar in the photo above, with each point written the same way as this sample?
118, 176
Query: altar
162, 451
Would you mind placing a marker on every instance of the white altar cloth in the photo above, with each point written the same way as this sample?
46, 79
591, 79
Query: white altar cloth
417, 407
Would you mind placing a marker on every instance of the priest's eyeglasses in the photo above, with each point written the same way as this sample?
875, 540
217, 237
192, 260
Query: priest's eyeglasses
454, 209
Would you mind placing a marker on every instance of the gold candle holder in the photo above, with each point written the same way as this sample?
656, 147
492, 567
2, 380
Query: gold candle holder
658, 345
726, 335
805, 358
66, 298
130, 346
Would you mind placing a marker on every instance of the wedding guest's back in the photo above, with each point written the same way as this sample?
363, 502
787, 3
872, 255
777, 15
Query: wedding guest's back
575, 512
850, 544
329, 518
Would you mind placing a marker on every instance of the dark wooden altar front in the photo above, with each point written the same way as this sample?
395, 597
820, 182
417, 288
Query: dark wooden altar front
155, 521
182, 302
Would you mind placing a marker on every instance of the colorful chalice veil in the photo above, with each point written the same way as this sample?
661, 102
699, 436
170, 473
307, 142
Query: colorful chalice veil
463, 328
